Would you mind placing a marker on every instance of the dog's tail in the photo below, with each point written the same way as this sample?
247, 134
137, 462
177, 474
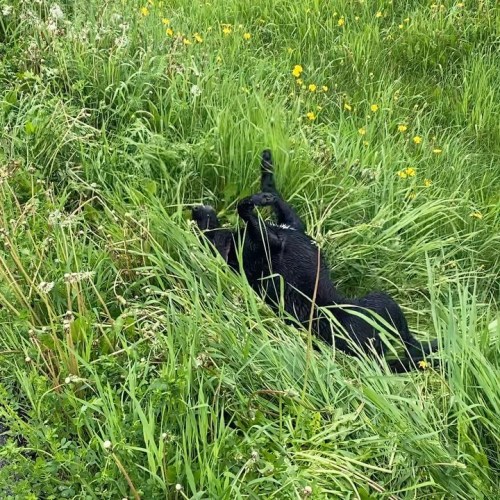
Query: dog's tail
267, 184
417, 352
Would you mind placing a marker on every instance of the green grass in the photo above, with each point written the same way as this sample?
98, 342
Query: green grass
147, 364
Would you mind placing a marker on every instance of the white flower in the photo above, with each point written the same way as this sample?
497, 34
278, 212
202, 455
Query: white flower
121, 41
195, 90
7, 10
46, 287
107, 444
178, 487
77, 277
54, 217
56, 11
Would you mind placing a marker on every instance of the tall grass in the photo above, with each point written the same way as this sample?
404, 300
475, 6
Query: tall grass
134, 364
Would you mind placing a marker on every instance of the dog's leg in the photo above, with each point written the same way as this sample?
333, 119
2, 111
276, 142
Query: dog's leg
285, 214
259, 231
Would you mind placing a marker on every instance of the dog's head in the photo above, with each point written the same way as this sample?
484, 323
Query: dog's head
207, 221
205, 217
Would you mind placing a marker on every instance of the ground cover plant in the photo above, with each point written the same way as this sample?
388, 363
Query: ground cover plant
132, 363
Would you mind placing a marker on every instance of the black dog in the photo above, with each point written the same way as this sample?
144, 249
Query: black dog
285, 266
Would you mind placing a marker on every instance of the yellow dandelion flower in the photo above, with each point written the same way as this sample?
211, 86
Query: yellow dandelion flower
341, 21
185, 41
365, 143
247, 36
411, 196
437, 151
410, 172
427, 183
144, 11
378, 14
311, 116
297, 70
347, 106
406, 20
299, 81
324, 88
400, 26
227, 30
170, 32
476, 215
417, 139
423, 364
356, 18
312, 87
198, 37
374, 108
165, 21
402, 174
362, 131
402, 128
319, 108
460, 5
218, 59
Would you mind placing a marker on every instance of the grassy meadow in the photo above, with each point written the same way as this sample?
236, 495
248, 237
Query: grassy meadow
133, 364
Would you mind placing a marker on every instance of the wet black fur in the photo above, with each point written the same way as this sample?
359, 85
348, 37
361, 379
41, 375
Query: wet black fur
285, 266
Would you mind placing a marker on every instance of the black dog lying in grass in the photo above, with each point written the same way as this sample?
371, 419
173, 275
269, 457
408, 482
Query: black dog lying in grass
285, 266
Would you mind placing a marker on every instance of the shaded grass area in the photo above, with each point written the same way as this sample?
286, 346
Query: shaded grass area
132, 363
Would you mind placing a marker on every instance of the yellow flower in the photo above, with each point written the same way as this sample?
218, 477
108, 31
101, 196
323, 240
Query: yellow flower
417, 139
185, 41
297, 70
144, 11
299, 81
198, 38
324, 88
356, 18
476, 215
460, 5
423, 364
406, 20
374, 107
437, 151
319, 108
378, 14
311, 116
427, 183
362, 131
247, 36
170, 32
165, 21
347, 106
402, 128
226, 30
365, 143
218, 59
411, 196
407, 172
341, 21
312, 87
400, 26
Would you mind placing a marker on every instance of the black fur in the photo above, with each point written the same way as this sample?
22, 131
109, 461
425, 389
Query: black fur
285, 266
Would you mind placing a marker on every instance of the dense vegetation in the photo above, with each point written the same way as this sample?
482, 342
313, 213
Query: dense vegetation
132, 363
